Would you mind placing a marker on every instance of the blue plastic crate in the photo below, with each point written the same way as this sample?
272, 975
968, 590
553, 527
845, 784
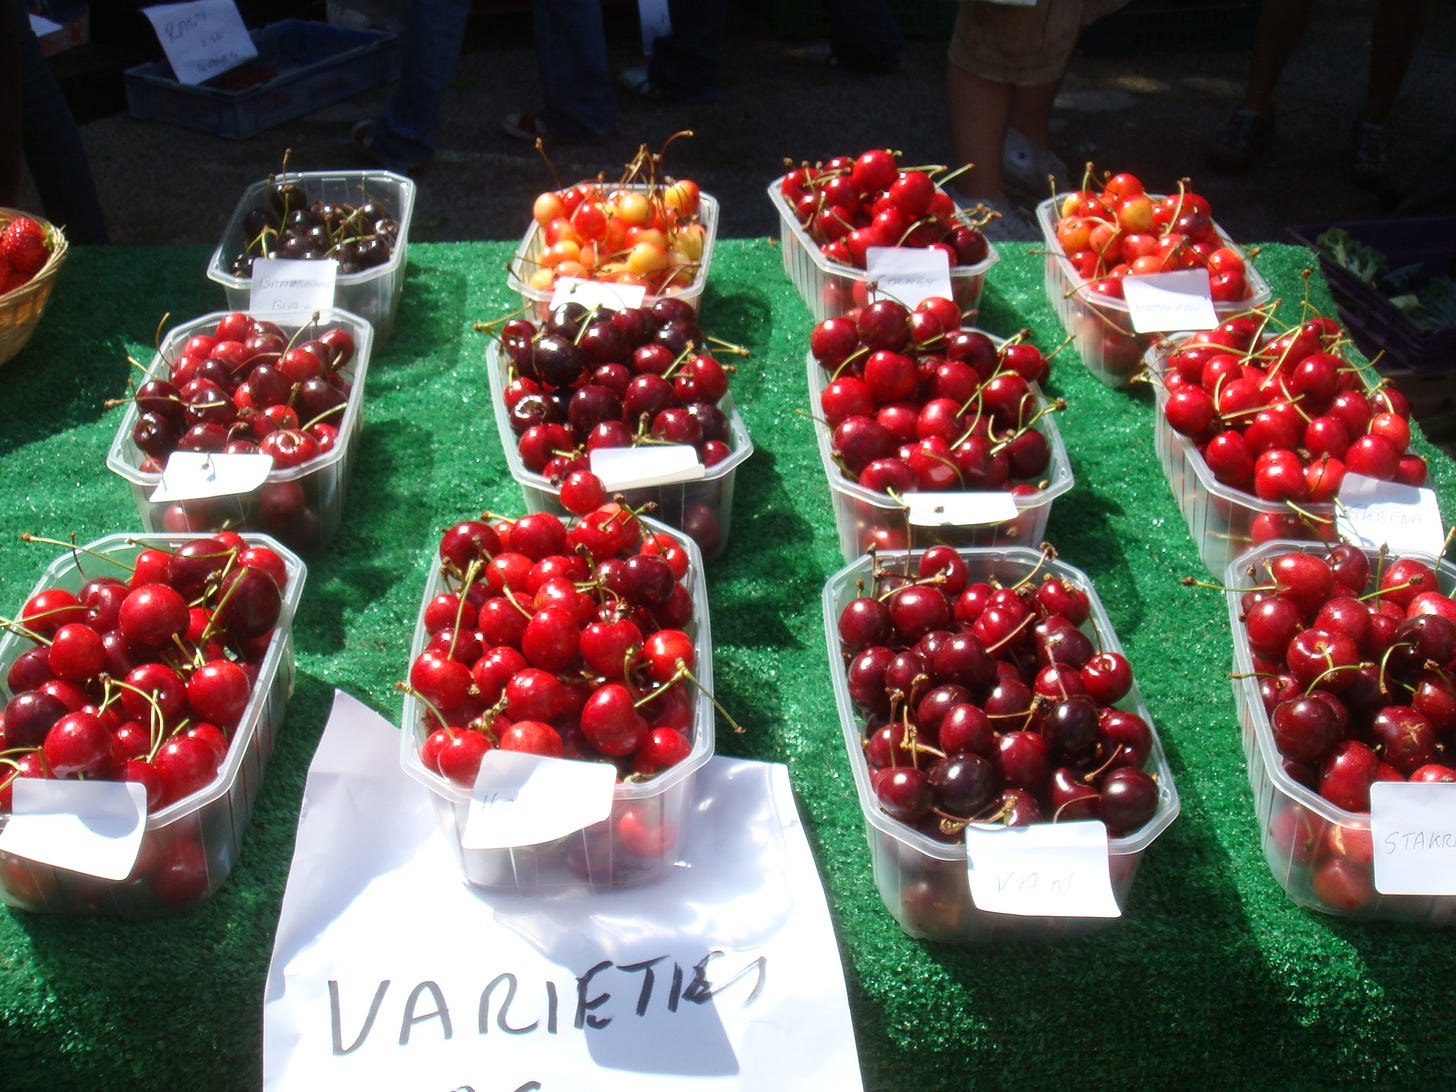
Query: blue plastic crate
302, 66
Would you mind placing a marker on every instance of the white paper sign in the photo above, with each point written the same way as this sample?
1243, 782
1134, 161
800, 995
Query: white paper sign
93, 827
1413, 828
1374, 513
41, 26
201, 38
907, 273
191, 475
1179, 300
650, 464
389, 972
287, 287
1042, 870
960, 509
524, 800
655, 21
593, 294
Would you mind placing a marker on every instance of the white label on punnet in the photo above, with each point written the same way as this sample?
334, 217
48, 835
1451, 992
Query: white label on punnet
651, 464
1413, 828
191, 475
202, 38
524, 800
1042, 870
960, 509
1180, 300
1405, 518
292, 287
93, 827
909, 274
591, 294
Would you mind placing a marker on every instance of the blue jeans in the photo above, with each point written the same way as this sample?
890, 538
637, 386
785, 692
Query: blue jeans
571, 58
405, 134
54, 154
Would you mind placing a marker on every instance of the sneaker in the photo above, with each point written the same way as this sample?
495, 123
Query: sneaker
525, 126
638, 80
1371, 166
1031, 172
1246, 136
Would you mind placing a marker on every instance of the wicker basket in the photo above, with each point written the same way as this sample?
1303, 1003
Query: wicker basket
21, 309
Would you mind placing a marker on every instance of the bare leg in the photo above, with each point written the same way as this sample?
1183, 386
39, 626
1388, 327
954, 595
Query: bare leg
1398, 27
979, 110
1031, 110
1281, 27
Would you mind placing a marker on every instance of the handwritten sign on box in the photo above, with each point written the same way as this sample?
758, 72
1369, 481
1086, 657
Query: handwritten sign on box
201, 38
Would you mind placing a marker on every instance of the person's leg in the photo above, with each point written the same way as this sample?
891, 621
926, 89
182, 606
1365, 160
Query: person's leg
979, 109
685, 64
1281, 28
404, 136
1397, 31
571, 57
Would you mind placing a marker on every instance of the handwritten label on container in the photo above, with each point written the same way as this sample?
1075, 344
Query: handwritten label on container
93, 827
292, 287
201, 38
594, 294
1179, 300
523, 800
193, 475
640, 467
1374, 513
1413, 828
907, 273
1042, 870
960, 509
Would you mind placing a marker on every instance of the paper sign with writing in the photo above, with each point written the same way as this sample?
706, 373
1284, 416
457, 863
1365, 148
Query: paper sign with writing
94, 827
389, 972
1042, 870
649, 464
524, 800
960, 509
192, 475
1413, 828
907, 273
292, 287
201, 38
593, 294
1178, 300
1374, 513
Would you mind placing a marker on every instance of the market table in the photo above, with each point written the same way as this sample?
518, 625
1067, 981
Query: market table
1212, 974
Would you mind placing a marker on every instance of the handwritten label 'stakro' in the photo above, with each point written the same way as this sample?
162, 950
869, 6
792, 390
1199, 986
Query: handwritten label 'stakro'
1413, 828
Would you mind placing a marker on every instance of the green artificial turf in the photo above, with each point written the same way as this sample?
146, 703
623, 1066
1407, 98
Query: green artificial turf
1213, 974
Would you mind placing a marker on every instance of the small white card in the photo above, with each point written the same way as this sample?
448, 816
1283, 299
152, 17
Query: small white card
1374, 513
909, 274
201, 38
192, 475
1180, 300
1042, 870
1413, 827
289, 287
960, 509
93, 827
524, 800
651, 464
590, 294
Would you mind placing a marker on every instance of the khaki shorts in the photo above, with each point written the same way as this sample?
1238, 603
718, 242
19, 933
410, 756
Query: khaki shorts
1018, 44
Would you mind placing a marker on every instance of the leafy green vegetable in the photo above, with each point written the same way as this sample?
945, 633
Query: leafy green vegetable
1365, 262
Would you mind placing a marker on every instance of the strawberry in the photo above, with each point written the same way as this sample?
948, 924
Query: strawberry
24, 246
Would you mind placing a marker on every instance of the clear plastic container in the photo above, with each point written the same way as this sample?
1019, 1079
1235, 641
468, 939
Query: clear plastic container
538, 300
200, 832
1319, 853
598, 857
306, 522
923, 882
703, 507
868, 519
372, 294
831, 288
1102, 328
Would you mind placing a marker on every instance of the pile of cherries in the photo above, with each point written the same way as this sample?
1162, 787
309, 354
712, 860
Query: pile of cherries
142, 676
1282, 414
1354, 658
989, 702
850, 203
290, 225
601, 378
1117, 230
244, 388
917, 403
561, 640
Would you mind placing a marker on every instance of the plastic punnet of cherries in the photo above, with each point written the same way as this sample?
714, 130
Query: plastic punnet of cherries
1283, 414
287, 224
989, 702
